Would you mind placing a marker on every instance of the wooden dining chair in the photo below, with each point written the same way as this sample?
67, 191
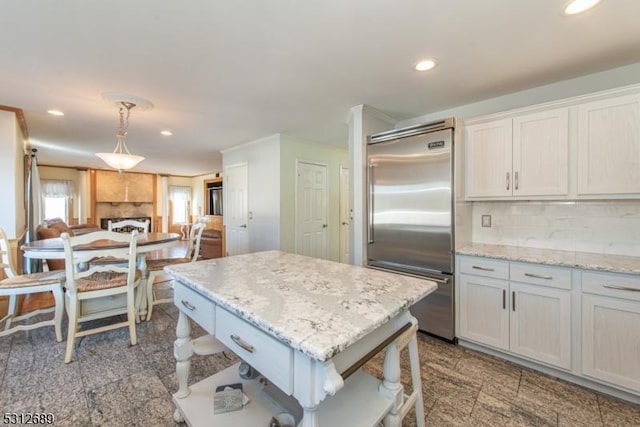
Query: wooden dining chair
128, 225
99, 281
15, 285
155, 266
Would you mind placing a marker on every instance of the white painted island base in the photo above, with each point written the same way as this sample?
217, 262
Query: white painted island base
308, 326
361, 400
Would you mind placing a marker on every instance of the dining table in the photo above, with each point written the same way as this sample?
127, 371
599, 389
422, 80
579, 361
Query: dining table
146, 243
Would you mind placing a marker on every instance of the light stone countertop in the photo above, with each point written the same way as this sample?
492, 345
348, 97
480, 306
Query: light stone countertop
585, 260
316, 306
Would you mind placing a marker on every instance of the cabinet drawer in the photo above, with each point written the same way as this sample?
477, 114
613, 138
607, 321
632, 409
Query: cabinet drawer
613, 285
272, 358
485, 267
554, 277
197, 307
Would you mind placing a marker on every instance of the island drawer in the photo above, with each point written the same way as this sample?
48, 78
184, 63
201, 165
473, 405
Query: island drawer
551, 276
197, 307
269, 356
484, 267
612, 285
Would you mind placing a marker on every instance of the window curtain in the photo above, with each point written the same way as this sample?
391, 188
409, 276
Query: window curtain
180, 194
54, 188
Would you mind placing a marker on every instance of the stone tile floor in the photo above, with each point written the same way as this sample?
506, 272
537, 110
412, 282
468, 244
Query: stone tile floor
110, 383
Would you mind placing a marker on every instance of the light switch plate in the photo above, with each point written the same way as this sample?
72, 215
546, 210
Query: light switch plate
486, 220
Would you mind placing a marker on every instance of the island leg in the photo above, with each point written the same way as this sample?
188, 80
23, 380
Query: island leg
391, 385
182, 351
309, 417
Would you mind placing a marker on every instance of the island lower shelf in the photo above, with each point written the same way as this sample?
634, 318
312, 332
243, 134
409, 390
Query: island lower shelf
364, 406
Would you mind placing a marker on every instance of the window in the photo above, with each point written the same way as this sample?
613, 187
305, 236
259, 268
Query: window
56, 196
56, 207
180, 199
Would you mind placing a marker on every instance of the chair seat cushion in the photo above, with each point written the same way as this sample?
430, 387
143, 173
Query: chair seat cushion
103, 280
159, 264
35, 279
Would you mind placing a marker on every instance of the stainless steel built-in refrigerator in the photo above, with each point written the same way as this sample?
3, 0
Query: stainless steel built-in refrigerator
410, 214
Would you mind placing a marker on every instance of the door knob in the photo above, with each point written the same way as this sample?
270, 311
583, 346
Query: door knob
324, 225
345, 223
243, 226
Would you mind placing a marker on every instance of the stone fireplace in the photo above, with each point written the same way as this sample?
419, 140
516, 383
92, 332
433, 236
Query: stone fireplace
120, 211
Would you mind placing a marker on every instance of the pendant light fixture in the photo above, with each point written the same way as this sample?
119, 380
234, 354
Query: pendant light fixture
121, 159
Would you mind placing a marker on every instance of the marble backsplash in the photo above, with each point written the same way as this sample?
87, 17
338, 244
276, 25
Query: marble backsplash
608, 227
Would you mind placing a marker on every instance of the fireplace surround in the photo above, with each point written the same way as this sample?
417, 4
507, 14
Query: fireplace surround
104, 222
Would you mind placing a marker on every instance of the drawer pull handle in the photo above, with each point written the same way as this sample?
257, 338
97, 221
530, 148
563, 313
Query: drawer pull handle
538, 276
188, 305
477, 267
242, 343
622, 288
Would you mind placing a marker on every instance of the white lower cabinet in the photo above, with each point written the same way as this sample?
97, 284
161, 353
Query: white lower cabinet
611, 328
525, 310
483, 316
528, 319
541, 324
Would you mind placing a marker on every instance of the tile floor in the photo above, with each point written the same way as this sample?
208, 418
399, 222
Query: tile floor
113, 384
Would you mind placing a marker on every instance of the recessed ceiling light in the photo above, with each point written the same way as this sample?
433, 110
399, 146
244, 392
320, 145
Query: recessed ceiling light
55, 112
166, 132
425, 65
579, 6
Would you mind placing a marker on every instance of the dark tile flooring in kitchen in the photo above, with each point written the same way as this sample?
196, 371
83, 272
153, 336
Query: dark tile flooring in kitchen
110, 383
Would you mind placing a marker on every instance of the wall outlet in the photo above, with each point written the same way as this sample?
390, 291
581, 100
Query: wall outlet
486, 220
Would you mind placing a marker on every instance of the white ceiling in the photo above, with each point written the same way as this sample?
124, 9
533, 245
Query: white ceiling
224, 72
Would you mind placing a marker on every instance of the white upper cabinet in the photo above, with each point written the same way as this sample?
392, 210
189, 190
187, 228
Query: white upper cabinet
541, 153
489, 158
577, 148
609, 146
523, 156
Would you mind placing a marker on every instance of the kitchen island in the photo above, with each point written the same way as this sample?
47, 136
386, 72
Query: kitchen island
306, 324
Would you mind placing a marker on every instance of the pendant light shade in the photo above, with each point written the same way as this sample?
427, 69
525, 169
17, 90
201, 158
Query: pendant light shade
121, 159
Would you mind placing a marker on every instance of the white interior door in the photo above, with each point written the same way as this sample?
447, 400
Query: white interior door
311, 209
345, 215
236, 209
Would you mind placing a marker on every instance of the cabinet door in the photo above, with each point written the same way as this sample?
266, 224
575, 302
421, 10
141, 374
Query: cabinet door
484, 315
540, 154
489, 152
611, 340
609, 146
541, 324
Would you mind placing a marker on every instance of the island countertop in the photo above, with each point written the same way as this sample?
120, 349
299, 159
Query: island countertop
315, 306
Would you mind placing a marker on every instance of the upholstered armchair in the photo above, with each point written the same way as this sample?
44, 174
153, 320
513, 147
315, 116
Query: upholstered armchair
211, 244
54, 227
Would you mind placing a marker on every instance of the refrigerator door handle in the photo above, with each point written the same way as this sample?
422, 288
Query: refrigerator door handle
370, 202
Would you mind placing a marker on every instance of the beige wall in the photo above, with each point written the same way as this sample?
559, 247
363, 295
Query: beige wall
294, 149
